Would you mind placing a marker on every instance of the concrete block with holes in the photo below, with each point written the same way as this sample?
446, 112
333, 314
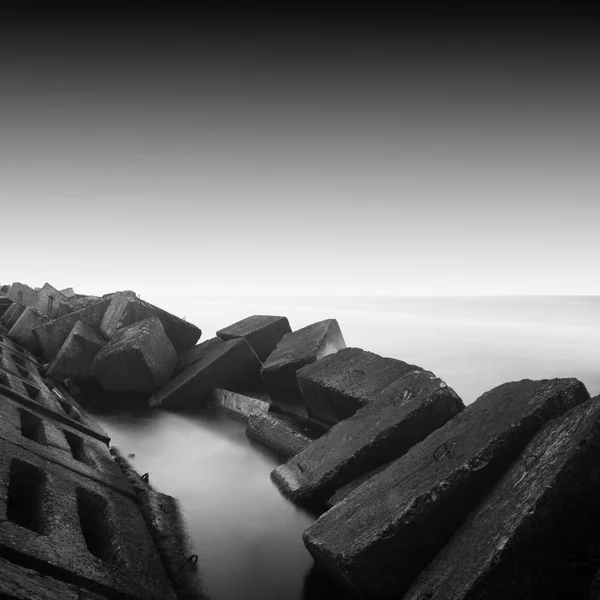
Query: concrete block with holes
22, 294
125, 309
52, 302
262, 332
335, 387
76, 356
22, 331
294, 351
402, 415
537, 533
8, 344
138, 359
384, 534
285, 433
89, 534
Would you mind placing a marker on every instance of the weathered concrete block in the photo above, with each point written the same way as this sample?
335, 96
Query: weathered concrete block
196, 353
243, 404
94, 536
232, 365
262, 332
68, 292
53, 303
52, 335
5, 304
382, 535
405, 413
139, 359
295, 350
18, 350
283, 432
76, 356
125, 310
335, 387
22, 294
537, 534
22, 331
11, 315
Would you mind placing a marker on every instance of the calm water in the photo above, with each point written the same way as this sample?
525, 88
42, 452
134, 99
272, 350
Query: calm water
247, 536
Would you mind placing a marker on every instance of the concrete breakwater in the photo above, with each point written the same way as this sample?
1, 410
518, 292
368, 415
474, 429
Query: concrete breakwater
404, 468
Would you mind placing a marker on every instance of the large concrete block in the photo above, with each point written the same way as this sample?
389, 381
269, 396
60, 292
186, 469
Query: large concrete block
76, 356
125, 310
243, 404
68, 292
262, 332
537, 534
16, 349
93, 536
294, 351
22, 331
196, 353
232, 365
139, 359
335, 387
285, 433
381, 536
53, 303
52, 335
11, 315
22, 294
405, 413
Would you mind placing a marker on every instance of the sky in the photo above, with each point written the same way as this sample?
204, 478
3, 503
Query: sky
303, 154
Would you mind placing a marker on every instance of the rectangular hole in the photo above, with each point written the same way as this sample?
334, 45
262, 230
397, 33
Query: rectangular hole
70, 410
77, 446
31, 390
32, 427
26, 496
94, 524
23, 372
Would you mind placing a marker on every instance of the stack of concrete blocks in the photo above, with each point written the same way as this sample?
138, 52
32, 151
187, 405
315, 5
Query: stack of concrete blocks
70, 522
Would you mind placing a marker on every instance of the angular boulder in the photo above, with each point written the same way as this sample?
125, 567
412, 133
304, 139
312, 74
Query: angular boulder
244, 404
294, 351
405, 413
196, 353
262, 332
12, 315
22, 294
384, 534
335, 387
139, 359
232, 365
22, 331
125, 309
76, 357
53, 303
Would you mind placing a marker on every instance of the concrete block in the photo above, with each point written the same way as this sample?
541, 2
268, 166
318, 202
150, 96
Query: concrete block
243, 404
405, 413
5, 288
196, 353
335, 387
68, 292
11, 315
92, 535
285, 433
294, 351
537, 533
139, 359
384, 534
5, 304
262, 332
125, 310
232, 365
22, 331
52, 303
52, 335
75, 357
22, 294
18, 350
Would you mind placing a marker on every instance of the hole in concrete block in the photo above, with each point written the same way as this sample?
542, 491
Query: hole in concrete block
32, 427
94, 524
23, 372
77, 446
25, 496
18, 360
70, 411
50, 303
31, 390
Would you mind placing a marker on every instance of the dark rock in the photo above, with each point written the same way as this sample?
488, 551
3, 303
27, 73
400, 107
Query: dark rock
232, 365
243, 404
139, 359
196, 353
383, 534
22, 331
335, 387
295, 350
262, 332
537, 534
283, 432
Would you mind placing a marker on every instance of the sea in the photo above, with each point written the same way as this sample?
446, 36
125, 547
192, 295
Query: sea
247, 536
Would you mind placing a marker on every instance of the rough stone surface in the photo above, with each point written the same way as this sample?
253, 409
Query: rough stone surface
243, 404
11, 315
139, 358
335, 387
285, 433
537, 534
22, 294
294, 351
71, 525
22, 331
405, 413
75, 357
18, 350
381, 536
232, 365
124, 310
262, 332
52, 335
198, 352
52, 303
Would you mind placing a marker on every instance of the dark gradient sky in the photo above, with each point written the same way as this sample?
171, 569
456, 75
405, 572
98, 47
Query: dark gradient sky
194, 154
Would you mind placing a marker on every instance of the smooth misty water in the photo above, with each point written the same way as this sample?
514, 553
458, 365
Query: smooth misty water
247, 536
